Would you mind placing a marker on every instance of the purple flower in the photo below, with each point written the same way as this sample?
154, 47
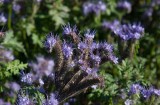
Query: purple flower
94, 46
111, 25
3, 19
148, 12
87, 8
90, 34
43, 66
15, 87
125, 5
128, 31
27, 78
113, 58
67, 50
82, 46
157, 92
101, 5
146, 93
50, 42
107, 47
23, 100
91, 71
16, 7
6, 55
87, 69
94, 7
96, 58
67, 29
135, 88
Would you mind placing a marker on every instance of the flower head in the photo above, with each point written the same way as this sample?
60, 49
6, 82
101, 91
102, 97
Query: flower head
95, 45
6, 55
125, 5
16, 7
23, 100
106, 47
111, 25
43, 66
90, 34
146, 93
95, 58
67, 50
113, 58
82, 46
128, 31
67, 29
94, 7
135, 88
50, 42
13, 85
157, 92
27, 78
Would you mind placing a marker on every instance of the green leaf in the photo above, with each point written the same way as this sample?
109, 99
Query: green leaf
11, 41
37, 40
15, 66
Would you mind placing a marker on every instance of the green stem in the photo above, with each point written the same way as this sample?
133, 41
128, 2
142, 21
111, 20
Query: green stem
9, 17
132, 49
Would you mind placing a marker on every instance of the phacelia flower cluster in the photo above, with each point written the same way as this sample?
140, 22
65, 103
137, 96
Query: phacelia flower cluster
111, 25
129, 31
68, 29
42, 67
16, 7
124, 5
77, 61
6, 55
86, 46
67, 50
50, 42
27, 78
146, 93
13, 88
94, 7
24, 98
